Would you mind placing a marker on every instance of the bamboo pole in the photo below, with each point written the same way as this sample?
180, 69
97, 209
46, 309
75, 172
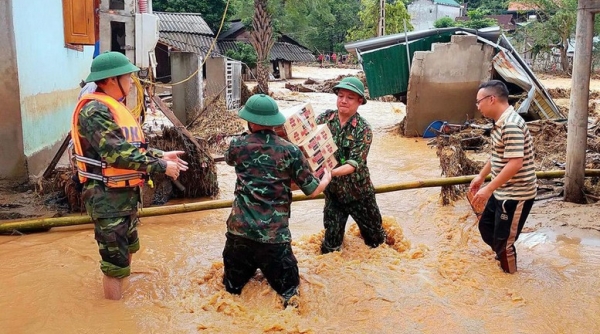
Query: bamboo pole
42, 223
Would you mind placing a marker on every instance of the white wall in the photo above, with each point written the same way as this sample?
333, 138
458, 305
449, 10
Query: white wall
48, 78
424, 13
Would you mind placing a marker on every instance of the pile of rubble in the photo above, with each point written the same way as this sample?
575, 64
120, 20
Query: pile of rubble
326, 86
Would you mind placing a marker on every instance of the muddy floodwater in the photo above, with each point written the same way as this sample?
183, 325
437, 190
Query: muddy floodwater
437, 276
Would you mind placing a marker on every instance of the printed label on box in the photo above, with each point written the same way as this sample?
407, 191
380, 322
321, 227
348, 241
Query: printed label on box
329, 163
321, 158
316, 139
298, 135
302, 115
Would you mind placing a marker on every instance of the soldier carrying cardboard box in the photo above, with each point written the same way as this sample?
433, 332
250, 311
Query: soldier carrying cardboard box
350, 192
258, 235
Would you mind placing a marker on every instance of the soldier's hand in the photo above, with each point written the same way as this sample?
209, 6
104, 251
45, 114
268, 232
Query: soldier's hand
172, 170
174, 156
326, 176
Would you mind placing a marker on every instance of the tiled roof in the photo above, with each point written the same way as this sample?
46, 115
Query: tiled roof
279, 51
290, 52
182, 22
185, 32
199, 44
447, 3
515, 6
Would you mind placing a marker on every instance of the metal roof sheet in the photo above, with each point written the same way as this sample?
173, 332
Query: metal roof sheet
279, 51
234, 27
199, 44
490, 33
182, 22
447, 3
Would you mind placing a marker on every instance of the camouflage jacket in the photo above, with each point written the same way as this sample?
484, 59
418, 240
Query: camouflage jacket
101, 138
353, 142
265, 165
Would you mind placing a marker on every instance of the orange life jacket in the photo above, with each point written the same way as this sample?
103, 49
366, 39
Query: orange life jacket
132, 131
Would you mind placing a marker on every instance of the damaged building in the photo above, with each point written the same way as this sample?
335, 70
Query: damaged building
437, 72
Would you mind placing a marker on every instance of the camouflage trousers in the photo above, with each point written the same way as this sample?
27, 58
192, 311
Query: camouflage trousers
366, 214
117, 238
277, 262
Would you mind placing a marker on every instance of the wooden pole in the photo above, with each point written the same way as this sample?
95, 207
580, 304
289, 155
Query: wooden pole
41, 223
578, 112
59, 154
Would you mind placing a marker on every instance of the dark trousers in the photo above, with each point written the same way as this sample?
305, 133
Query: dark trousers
277, 262
500, 226
366, 214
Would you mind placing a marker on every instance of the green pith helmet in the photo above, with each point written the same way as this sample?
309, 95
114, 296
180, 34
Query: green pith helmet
261, 109
352, 84
110, 64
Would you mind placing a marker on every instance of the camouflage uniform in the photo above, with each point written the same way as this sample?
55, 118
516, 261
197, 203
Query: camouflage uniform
114, 210
258, 235
352, 194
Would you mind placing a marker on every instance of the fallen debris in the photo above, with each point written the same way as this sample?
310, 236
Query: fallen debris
550, 145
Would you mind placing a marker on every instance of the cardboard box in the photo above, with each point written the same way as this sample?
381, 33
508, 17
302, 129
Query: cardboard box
298, 134
321, 158
329, 163
299, 123
296, 116
319, 139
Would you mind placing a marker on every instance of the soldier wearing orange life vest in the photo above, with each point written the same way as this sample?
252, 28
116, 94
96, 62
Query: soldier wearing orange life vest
113, 163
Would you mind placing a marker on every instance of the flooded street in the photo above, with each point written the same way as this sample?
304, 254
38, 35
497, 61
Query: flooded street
438, 276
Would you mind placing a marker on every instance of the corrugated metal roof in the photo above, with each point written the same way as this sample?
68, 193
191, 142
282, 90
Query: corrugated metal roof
279, 51
489, 33
182, 22
199, 44
290, 52
447, 3
234, 27
541, 97
385, 77
537, 105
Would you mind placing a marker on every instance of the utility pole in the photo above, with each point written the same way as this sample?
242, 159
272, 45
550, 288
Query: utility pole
578, 111
381, 26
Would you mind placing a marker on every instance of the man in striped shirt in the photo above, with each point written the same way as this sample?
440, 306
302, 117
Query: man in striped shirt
510, 194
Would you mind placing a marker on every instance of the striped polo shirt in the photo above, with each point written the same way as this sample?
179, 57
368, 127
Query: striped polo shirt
511, 139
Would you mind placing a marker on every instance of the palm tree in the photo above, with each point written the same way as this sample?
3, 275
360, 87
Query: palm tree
261, 38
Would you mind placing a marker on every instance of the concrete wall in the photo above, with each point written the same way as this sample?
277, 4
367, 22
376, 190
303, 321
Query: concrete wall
424, 13
126, 16
187, 96
13, 165
48, 78
215, 77
443, 83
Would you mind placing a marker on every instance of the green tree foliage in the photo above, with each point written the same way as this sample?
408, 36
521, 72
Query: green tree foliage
554, 28
445, 22
319, 25
477, 19
395, 15
245, 53
494, 7
212, 11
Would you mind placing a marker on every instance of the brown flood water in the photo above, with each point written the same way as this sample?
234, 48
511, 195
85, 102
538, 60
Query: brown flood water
438, 277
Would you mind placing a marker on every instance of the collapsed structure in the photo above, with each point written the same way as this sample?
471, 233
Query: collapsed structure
437, 72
